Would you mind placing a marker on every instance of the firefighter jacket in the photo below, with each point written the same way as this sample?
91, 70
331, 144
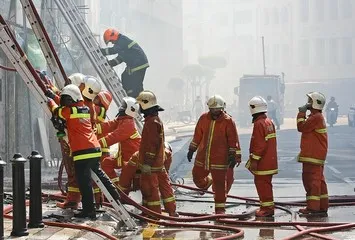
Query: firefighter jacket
121, 130
314, 138
93, 115
129, 52
151, 150
263, 146
214, 140
82, 140
101, 115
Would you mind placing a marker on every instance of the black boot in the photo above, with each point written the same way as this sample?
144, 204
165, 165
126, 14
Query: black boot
83, 214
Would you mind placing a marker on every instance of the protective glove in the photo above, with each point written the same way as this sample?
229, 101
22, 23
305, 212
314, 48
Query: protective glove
146, 169
231, 160
49, 93
189, 155
253, 165
304, 108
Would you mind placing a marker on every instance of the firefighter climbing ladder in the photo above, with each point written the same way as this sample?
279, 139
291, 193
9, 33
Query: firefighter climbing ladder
29, 75
44, 41
120, 210
87, 40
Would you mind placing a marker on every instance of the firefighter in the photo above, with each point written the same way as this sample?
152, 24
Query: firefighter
121, 130
218, 151
154, 177
314, 147
262, 161
84, 146
132, 54
102, 102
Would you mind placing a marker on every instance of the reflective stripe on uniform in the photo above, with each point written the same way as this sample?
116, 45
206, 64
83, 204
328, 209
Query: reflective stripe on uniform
105, 150
315, 198
169, 199
324, 196
139, 67
266, 204
87, 156
75, 114
219, 205
256, 157
103, 142
209, 143
266, 172
219, 166
321, 130
300, 120
98, 128
116, 179
131, 44
135, 135
238, 152
269, 136
73, 189
96, 190
153, 203
311, 160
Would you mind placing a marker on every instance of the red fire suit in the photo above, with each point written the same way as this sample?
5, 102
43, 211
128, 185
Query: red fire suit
151, 153
214, 141
131, 175
314, 147
121, 130
263, 151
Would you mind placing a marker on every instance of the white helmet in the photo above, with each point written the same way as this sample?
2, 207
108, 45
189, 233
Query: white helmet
216, 101
147, 99
77, 78
92, 87
73, 91
257, 105
131, 106
318, 100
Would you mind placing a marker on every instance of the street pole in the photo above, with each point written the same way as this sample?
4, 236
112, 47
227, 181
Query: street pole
263, 47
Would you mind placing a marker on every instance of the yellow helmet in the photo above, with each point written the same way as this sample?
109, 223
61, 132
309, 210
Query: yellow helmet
147, 99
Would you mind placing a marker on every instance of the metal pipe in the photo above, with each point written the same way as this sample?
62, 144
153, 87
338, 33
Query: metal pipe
35, 220
2, 164
19, 202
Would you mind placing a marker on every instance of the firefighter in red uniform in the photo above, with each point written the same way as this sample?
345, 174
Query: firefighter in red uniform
121, 130
102, 102
154, 177
262, 161
84, 146
314, 147
218, 151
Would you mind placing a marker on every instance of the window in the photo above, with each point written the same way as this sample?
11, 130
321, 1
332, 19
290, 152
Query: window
304, 10
304, 52
333, 51
347, 51
319, 56
333, 9
346, 8
319, 10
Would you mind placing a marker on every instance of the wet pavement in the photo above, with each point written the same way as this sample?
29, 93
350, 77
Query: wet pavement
287, 187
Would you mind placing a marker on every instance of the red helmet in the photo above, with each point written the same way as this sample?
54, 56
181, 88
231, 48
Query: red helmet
105, 98
111, 35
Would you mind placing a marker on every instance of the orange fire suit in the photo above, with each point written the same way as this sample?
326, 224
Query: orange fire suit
121, 130
131, 175
314, 147
151, 153
214, 141
263, 150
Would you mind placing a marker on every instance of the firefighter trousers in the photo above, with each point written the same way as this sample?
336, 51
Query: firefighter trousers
263, 184
130, 173
132, 83
218, 182
83, 175
108, 165
151, 185
315, 186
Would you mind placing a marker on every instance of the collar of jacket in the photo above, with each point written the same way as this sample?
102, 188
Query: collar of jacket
153, 111
314, 111
123, 117
257, 116
223, 115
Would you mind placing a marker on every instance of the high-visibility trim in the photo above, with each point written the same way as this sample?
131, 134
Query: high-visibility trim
254, 156
98, 129
269, 136
311, 160
103, 142
247, 165
300, 120
119, 160
232, 149
139, 67
209, 143
135, 135
116, 179
321, 130
102, 115
153, 169
219, 205
266, 172
75, 114
197, 163
53, 108
87, 156
105, 150
315, 198
267, 204
153, 203
131, 44
96, 190
150, 154
323, 196
193, 144
60, 112
169, 199
219, 166
73, 189
238, 152
132, 163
